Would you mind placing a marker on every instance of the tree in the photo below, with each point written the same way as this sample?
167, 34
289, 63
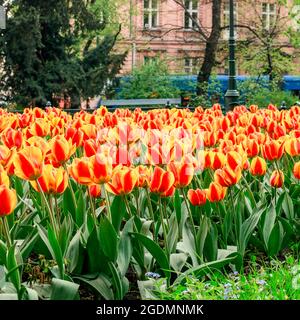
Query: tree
208, 37
264, 47
294, 27
59, 47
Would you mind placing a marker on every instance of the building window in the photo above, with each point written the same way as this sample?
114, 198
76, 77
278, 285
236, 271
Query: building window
191, 65
268, 15
226, 18
150, 14
190, 14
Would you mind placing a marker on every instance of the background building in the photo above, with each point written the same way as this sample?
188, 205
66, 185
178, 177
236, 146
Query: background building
168, 28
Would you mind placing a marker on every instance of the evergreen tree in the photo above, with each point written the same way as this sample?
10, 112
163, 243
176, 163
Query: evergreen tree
58, 47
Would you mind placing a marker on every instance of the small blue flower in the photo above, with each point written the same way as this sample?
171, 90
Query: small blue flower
235, 273
152, 275
261, 282
227, 285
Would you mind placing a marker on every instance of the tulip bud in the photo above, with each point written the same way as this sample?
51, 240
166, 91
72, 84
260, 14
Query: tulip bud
277, 179
197, 197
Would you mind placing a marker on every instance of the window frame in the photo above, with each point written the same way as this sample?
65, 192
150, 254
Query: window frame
191, 11
150, 11
267, 14
193, 62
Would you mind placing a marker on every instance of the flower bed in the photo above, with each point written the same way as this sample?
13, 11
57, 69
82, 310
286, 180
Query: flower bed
173, 192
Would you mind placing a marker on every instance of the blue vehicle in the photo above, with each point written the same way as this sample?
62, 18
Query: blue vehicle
187, 84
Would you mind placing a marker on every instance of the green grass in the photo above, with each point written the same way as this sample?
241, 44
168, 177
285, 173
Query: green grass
272, 280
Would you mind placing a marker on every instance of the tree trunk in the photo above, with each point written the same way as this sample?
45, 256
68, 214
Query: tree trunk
270, 65
211, 47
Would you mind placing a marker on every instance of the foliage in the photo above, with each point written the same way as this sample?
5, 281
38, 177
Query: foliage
254, 62
87, 200
212, 91
263, 281
293, 29
150, 81
63, 47
260, 91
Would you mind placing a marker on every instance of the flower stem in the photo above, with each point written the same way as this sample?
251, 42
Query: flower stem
70, 186
107, 204
163, 226
249, 190
136, 194
151, 214
149, 204
190, 215
6, 232
92, 207
234, 214
51, 215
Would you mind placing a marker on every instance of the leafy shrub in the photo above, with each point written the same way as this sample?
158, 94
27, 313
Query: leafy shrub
260, 92
150, 81
213, 93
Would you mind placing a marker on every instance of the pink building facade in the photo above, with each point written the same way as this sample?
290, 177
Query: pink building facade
152, 28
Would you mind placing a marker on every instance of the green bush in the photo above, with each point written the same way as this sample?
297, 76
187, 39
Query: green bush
264, 280
262, 93
150, 81
213, 93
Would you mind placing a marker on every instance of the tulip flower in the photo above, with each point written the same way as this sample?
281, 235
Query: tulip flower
101, 168
215, 192
292, 147
209, 138
40, 127
253, 108
52, 181
89, 131
76, 136
169, 193
258, 166
4, 179
5, 155
29, 163
12, 138
143, 176
218, 160
123, 180
236, 160
183, 173
80, 170
197, 197
161, 181
90, 147
61, 149
252, 148
8, 200
272, 150
296, 170
277, 179
40, 143
95, 190
227, 177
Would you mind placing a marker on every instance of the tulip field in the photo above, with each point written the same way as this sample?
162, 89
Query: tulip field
100, 204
